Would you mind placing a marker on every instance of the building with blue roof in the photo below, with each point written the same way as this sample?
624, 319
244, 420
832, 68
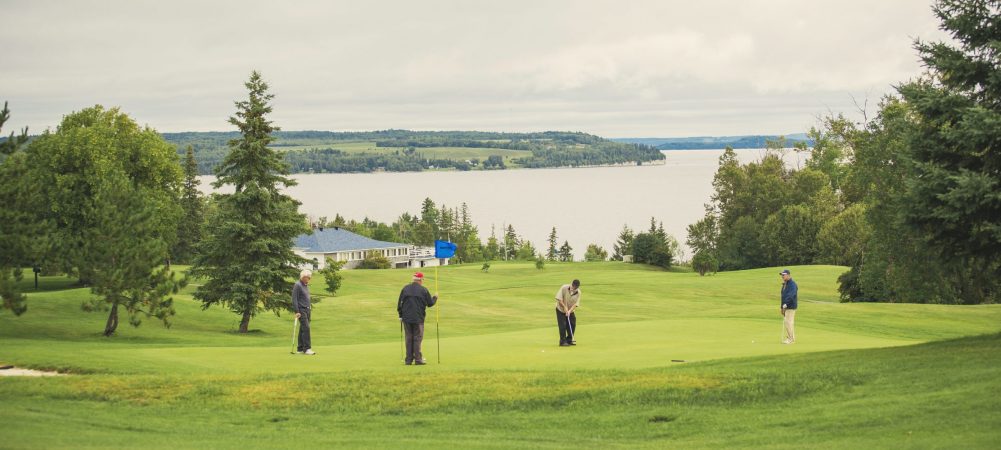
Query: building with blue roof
339, 244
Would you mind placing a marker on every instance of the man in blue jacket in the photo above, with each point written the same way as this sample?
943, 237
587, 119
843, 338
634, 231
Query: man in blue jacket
790, 293
414, 300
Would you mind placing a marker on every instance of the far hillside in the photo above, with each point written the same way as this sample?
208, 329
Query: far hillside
414, 151
718, 142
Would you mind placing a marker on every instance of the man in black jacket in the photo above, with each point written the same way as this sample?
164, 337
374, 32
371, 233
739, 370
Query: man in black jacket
302, 307
414, 300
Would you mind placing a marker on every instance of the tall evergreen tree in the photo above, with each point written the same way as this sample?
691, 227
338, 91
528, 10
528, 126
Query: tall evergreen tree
16, 221
493, 249
427, 230
624, 245
955, 193
553, 252
246, 255
189, 229
566, 252
511, 244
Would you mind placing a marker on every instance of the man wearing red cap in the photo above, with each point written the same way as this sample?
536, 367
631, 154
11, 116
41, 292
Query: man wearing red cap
414, 300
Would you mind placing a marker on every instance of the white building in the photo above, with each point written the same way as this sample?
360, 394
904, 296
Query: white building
342, 245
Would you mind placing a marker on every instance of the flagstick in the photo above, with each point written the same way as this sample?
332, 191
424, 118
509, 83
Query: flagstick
436, 315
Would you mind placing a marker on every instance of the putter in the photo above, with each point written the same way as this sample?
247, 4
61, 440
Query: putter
295, 325
569, 327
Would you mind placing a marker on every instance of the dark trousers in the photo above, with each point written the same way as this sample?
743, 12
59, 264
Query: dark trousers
566, 332
414, 333
304, 340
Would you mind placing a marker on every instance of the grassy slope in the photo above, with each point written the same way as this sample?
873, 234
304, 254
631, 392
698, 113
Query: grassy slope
504, 383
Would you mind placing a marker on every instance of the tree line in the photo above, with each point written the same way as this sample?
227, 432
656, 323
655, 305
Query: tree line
549, 149
909, 200
112, 204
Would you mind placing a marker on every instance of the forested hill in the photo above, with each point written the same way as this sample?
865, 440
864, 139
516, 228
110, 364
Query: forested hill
717, 142
409, 151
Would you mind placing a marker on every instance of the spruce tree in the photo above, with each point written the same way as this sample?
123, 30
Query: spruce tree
954, 195
189, 230
553, 251
566, 252
624, 245
16, 220
246, 254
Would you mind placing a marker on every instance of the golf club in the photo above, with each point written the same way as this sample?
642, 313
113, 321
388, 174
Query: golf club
569, 327
295, 325
402, 356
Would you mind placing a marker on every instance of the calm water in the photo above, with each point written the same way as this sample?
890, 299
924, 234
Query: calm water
585, 205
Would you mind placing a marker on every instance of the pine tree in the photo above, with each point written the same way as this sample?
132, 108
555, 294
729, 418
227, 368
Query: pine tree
511, 243
189, 229
552, 252
246, 255
126, 256
492, 251
566, 252
624, 246
954, 197
16, 221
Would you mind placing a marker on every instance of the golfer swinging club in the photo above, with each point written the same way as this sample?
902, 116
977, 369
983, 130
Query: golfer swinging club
567, 300
412, 306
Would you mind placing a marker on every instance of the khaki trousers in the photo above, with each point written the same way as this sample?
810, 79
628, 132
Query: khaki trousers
790, 318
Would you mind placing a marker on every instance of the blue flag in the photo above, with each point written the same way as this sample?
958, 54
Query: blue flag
444, 249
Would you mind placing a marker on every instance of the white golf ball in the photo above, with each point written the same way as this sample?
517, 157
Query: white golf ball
752, 342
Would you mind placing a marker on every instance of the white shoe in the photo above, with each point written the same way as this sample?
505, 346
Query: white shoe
786, 341
309, 351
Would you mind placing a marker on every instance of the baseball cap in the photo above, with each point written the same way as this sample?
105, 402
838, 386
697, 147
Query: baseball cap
419, 275
785, 272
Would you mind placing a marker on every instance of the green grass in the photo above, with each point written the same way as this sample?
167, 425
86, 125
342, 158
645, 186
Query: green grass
860, 375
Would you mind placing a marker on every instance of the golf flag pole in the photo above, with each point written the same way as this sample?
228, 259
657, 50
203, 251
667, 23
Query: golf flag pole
442, 249
437, 333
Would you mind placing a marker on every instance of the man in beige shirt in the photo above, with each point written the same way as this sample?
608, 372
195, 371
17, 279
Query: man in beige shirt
567, 300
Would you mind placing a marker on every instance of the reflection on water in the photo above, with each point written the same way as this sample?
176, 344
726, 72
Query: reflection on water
587, 205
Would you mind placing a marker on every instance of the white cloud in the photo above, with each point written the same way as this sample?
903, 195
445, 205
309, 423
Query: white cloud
608, 67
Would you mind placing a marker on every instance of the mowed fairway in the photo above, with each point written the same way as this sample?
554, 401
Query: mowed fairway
870, 375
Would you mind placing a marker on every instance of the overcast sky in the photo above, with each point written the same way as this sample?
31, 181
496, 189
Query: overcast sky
617, 68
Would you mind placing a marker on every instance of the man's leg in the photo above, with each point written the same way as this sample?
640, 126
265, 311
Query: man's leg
409, 333
304, 341
789, 321
418, 340
561, 324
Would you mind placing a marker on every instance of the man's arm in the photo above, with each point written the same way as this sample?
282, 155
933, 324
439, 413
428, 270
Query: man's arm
429, 299
399, 304
576, 304
296, 295
559, 299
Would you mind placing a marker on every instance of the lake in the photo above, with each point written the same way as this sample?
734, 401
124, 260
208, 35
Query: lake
586, 205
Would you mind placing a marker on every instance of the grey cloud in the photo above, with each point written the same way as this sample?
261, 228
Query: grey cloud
650, 68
